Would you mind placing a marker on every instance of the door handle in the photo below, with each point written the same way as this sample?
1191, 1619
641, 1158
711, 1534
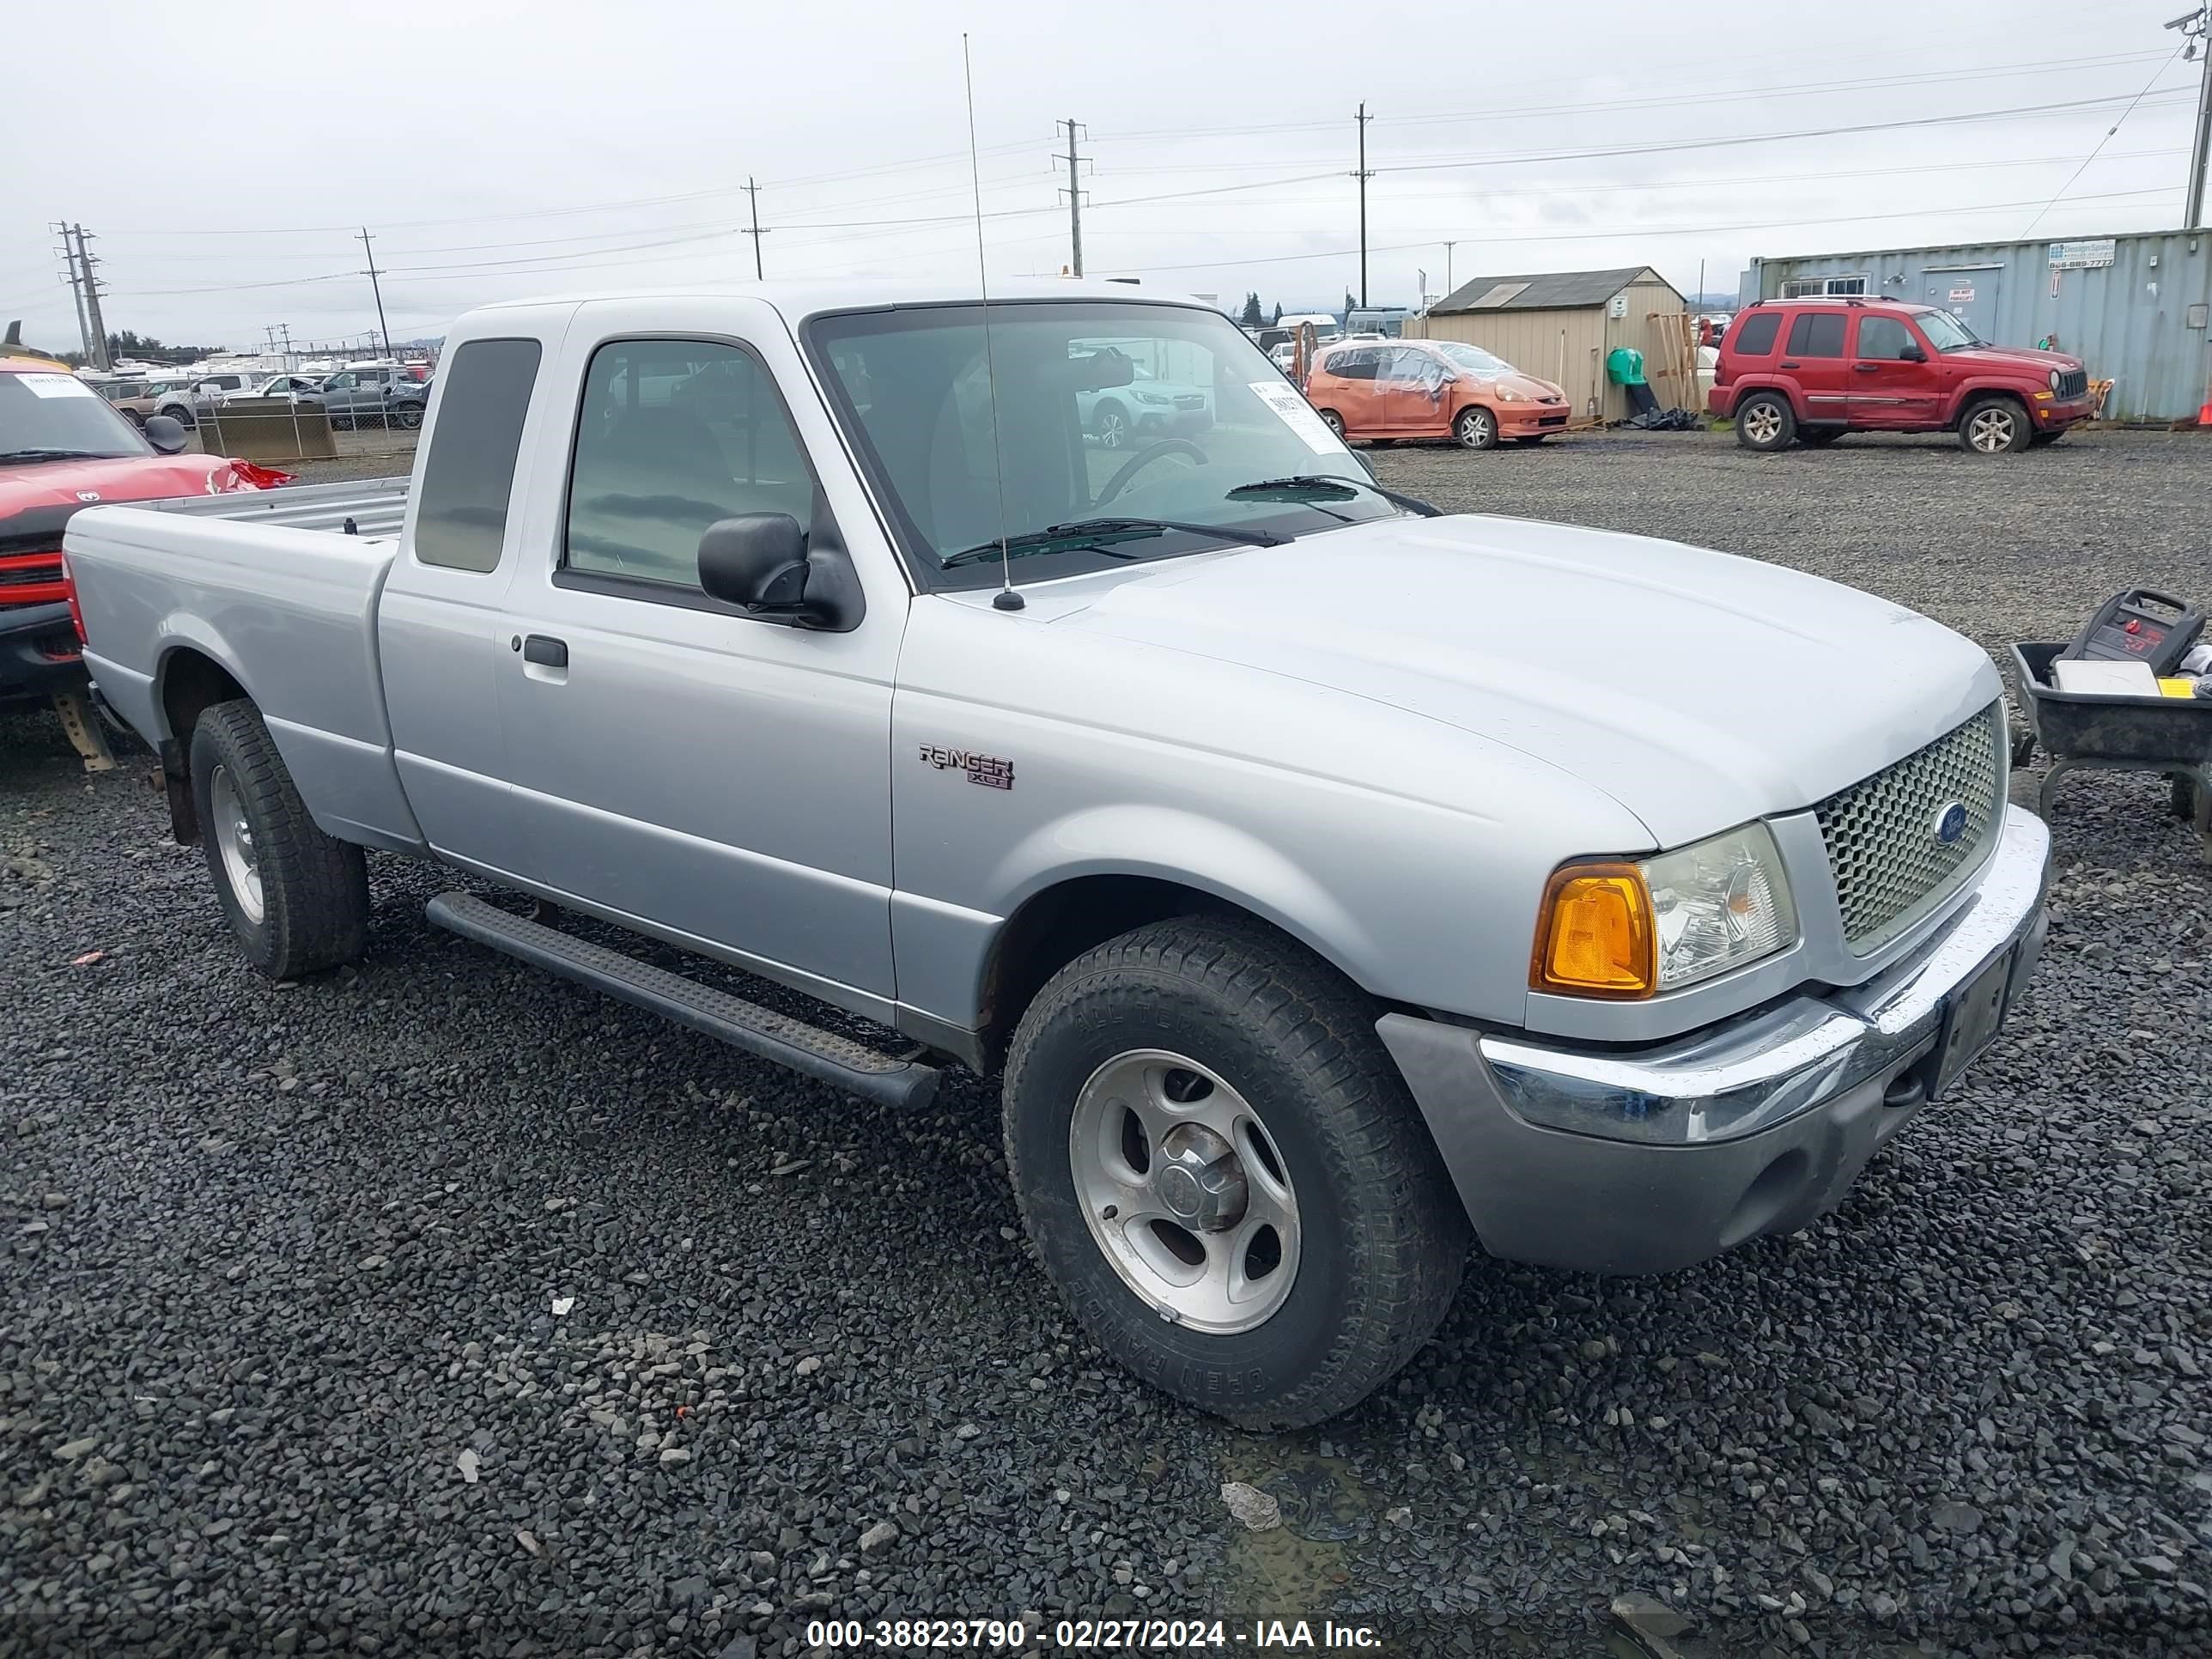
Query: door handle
1791, 363
545, 651
1867, 368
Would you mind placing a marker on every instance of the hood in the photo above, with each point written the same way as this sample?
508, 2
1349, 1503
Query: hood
1526, 384
1699, 689
1997, 356
41, 490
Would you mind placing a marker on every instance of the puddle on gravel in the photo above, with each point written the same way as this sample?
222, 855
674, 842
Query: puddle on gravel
1301, 1565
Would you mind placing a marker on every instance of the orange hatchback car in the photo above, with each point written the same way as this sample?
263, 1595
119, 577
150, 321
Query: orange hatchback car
1432, 389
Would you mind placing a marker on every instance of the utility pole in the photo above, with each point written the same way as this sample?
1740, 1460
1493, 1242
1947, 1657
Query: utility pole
752, 190
375, 288
1074, 197
85, 262
1363, 175
76, 289
1449, 246
2194, 26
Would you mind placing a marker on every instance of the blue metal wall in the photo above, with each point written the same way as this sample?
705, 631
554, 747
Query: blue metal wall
2130, 321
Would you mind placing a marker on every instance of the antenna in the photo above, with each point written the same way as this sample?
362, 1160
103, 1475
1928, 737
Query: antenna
1006, 598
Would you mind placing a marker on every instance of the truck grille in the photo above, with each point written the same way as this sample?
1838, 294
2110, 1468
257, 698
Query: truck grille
1891, 864
31, 578
2072, 382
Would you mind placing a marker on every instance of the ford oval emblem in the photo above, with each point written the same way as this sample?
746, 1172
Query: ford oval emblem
1951, 823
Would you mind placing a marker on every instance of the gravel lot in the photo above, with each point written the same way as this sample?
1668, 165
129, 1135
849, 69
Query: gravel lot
438, 1307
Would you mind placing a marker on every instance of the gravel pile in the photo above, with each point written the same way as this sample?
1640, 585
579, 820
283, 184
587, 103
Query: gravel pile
438, 1307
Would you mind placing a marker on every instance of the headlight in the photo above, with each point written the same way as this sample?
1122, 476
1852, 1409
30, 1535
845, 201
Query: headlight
1506, 394
2054, 379
1638, 927
1154, 398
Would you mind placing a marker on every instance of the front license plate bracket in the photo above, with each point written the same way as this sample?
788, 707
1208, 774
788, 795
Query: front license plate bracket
1970, 1018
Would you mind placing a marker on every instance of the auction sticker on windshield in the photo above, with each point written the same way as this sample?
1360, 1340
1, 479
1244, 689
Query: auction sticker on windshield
1299, 415
57, 386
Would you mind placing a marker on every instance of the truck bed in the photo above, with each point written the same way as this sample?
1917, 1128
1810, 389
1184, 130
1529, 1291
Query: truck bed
270, 587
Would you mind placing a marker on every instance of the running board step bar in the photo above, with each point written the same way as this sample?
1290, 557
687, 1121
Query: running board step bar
821, 1055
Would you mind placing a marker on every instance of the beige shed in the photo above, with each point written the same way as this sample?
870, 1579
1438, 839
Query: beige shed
1560, 326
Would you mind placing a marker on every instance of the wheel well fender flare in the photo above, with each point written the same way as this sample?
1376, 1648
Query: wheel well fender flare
1144, 863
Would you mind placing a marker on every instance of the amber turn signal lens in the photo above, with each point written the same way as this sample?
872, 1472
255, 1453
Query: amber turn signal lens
1594, 936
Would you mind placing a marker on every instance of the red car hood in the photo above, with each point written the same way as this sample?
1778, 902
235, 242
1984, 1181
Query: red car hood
1994, 357
72, 484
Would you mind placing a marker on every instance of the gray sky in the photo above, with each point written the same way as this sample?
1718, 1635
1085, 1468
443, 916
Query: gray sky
227, 153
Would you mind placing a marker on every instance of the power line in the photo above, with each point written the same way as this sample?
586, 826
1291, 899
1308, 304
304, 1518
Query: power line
1701, 99
2101, 142
1673, 146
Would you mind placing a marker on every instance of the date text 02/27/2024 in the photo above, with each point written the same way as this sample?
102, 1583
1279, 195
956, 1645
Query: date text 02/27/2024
1091, 1635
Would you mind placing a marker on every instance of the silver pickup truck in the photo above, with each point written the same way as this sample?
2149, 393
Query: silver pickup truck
1327, 879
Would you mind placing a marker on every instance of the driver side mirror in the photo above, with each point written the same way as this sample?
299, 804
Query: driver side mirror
1912, 354
757, 561
166, 433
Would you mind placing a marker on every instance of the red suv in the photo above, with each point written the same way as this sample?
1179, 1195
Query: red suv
1818, 369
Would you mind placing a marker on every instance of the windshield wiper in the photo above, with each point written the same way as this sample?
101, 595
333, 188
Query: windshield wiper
56, 455
1315, 482
1091, 533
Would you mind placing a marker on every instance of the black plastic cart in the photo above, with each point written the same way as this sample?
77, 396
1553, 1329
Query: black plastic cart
2080, 730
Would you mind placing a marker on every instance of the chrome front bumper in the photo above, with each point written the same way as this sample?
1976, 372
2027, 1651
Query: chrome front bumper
1639, 1160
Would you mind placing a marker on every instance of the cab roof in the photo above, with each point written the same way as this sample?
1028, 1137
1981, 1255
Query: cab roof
800, 299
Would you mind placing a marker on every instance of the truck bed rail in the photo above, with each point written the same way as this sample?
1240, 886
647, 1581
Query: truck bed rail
376, 505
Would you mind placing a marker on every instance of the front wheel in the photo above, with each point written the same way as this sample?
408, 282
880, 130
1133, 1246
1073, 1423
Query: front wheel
296, 898
1111, 423
407, 417
1333, 420
1475, 427
1224, 1174
1995, 426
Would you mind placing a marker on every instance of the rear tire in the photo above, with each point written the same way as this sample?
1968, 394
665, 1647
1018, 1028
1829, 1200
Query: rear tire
1994, 426
1333, 420
1164, 1029
1764, 422
296, 898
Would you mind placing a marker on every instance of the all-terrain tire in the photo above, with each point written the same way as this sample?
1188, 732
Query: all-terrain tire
312, 899
1382, 1237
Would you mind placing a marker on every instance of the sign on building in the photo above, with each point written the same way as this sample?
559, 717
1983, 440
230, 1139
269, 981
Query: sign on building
2080, 256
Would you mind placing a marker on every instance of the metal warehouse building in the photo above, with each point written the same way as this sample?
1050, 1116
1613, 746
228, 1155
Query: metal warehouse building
1559, 325
2133, 308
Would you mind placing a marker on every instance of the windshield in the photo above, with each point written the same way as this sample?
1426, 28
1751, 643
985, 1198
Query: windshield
1475, 359
57, 412
1130, 411
1944, 331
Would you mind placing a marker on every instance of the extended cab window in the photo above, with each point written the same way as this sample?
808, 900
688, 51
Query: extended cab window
468, 472
1883, 338
1817, 334
1756, 338
674, 436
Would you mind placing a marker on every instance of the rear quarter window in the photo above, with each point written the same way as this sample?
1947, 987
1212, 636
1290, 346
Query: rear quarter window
1756, 338
468, 474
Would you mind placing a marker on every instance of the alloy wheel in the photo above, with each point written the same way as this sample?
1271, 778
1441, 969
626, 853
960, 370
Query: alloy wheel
233, 840
1184, 1191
